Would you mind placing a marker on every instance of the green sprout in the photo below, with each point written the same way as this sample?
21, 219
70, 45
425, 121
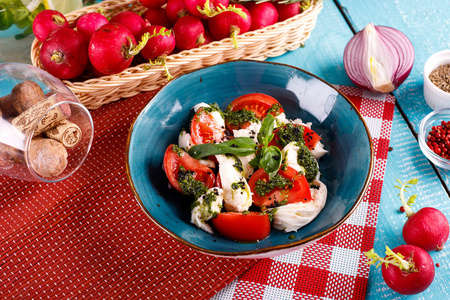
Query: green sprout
407, 204
392, 258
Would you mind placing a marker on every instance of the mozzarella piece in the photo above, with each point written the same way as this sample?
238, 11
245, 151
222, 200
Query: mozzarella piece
251, 131
292, 217
248, 169
205, 210
281, 120
207, 162
318, 151
300, 122
290, 157
185, 140
238, 199
215, 114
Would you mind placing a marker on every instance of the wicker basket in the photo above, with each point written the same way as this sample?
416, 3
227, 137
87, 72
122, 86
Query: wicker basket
271, 41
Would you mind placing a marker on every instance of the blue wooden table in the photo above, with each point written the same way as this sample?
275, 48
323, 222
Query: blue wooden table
426, 24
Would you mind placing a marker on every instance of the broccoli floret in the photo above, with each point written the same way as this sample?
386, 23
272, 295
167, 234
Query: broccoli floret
290, 133
308, 162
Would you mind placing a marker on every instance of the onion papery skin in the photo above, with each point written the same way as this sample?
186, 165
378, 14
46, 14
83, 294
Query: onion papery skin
395, 48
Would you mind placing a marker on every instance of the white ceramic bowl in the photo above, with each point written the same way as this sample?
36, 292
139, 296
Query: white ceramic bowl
434, 96
433, 119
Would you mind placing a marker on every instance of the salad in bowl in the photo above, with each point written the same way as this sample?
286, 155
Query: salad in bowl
247, 169
345, 158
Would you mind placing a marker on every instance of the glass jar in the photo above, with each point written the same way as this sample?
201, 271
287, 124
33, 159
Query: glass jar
45, 132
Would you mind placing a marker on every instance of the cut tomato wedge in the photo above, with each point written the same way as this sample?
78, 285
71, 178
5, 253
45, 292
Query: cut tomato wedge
205, 129
298, 192
175, 157
242, 227
257, 103
311, 138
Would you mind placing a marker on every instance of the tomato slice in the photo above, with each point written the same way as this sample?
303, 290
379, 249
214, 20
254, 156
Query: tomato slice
310, 137
257, 103
299, 192
248, 227
173, 159
205, 129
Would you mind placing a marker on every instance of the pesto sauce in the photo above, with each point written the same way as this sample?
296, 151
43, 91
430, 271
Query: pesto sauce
238, 165
308, 162
290, 133
237, 162
177, 150
212, 107
239, 117
188, 185
271, 214
238, 185
263, 188
275, 109
208, 200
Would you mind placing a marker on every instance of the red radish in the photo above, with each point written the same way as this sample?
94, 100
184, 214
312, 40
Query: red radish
161, 42
427, 228
88, 23
131, 20
263, 14
175, 9
153, 3
210, 5
90, 70
208, 37
189, 33
112, 48
64, 53
156, 16
230, 23
46, 21
286, 11
407, 269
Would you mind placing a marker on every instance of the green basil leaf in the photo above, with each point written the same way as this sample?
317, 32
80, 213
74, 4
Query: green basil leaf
241, 146
6, 18
254, 162
265, 134
270, 160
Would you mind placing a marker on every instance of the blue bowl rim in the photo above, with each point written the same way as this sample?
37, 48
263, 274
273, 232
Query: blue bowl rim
249, 253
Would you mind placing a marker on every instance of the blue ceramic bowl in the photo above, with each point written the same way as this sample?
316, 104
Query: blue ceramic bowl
346, 170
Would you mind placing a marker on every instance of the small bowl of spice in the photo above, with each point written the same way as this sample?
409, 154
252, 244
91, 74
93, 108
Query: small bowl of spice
434, 137
436, 80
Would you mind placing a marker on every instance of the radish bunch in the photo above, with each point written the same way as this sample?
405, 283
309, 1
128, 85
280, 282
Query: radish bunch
96, 46
409, 269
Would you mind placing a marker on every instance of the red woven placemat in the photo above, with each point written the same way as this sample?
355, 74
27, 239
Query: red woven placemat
86, 237
334, 267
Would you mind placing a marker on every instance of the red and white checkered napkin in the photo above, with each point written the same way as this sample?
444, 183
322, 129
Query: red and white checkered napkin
334, 267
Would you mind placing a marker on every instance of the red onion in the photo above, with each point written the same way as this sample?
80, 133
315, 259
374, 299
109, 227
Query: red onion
378, 58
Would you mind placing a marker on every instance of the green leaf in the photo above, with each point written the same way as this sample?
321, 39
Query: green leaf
254, 162
6, 18
270, 160
412, 199
265, 134
241, 146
